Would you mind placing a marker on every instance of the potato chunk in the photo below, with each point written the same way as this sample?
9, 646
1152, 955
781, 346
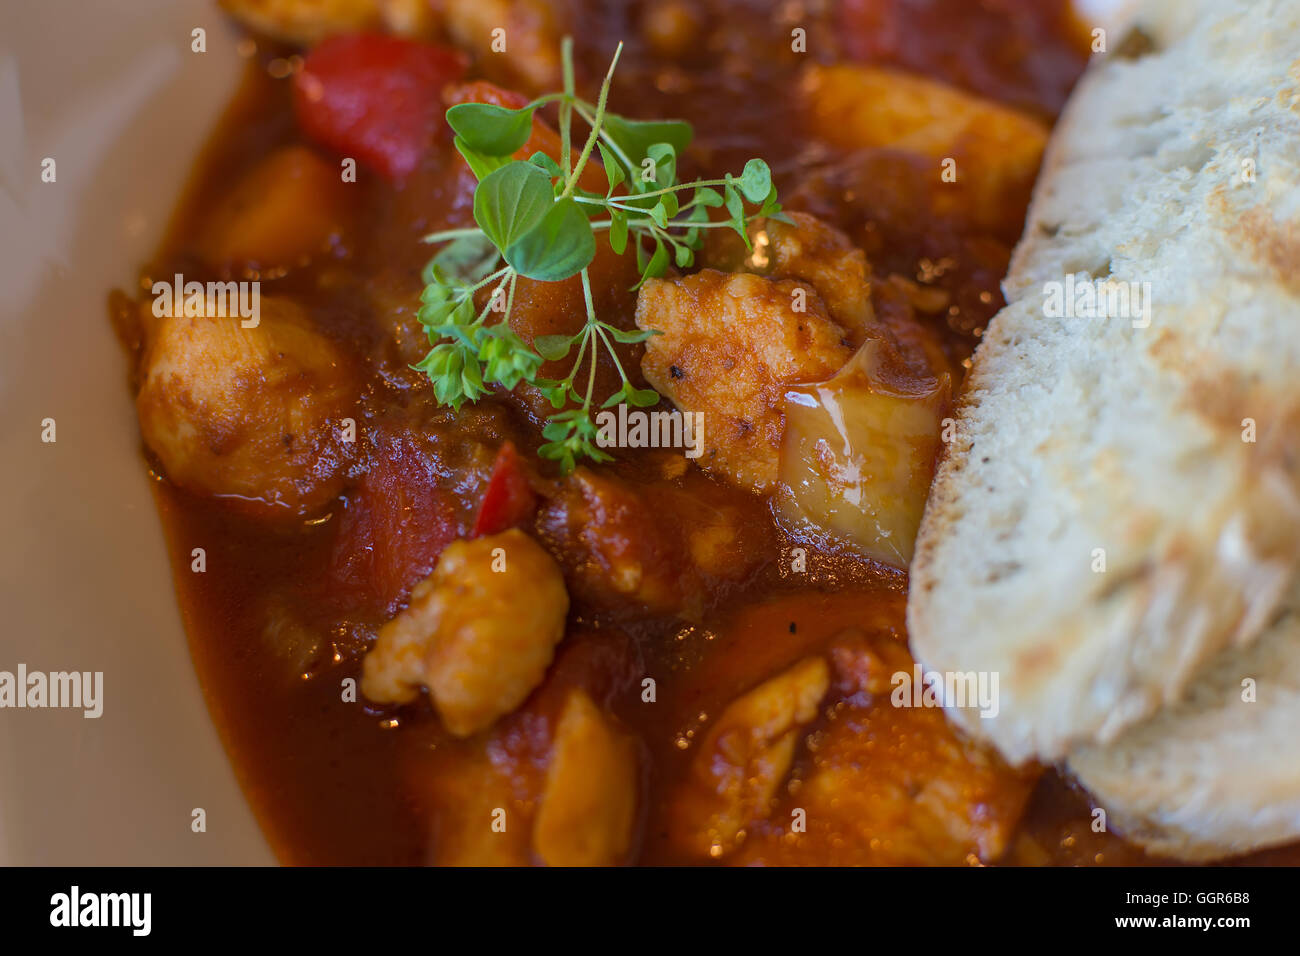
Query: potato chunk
292, 205
479, 632
248, 412
997, 149
729, 346
745, 756
859, 454
589, 805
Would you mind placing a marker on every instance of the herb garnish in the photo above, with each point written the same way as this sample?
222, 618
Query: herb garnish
534, 220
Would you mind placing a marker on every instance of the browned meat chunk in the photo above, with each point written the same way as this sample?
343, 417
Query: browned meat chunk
662, 546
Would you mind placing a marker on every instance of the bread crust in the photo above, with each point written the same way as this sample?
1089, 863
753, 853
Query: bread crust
1082, 441
1215, 775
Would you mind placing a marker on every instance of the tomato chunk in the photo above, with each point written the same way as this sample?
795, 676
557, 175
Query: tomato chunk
509, 499
396, 524
376, 98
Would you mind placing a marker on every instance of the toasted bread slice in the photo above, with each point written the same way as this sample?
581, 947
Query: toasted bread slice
1218, 773
1122, 500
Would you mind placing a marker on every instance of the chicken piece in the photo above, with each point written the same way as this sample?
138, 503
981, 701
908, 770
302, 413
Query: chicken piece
481, 797
588, 807
996, 148
292, 205
744, 757
479, 632
305, 21
811, 251
890, 782
729, 346
253, 413
516, 41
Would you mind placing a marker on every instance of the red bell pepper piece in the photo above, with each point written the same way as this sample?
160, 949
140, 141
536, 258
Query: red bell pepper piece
509, 499
376, 98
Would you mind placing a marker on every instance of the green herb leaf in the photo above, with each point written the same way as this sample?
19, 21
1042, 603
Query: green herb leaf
642, 260
534, 215
618, 231
465, 260
480, 164
511, 201
613, 168
736, 207
657, 265
629, 336
665, 160
490, 129
508, 361
448, 367
553, 347
571, 433
756, 181
556, 393
546, 164
635, 137
472, 381
448, 310
559, 246
707, 196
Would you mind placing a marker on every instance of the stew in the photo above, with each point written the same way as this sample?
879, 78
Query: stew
426, 641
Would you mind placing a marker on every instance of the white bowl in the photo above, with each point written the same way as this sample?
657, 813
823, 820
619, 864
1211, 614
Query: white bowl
112, 92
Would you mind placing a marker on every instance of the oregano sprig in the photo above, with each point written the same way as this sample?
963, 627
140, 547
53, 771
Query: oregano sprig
534, 219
